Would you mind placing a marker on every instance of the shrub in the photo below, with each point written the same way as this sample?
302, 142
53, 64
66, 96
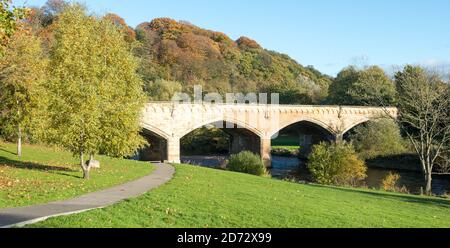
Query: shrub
390, 183
336, 164
247, 162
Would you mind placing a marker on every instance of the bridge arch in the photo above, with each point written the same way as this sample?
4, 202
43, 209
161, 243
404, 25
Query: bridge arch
240, 125
157, 148
302, 133
155, 130
241, 136
355, 124
313, 121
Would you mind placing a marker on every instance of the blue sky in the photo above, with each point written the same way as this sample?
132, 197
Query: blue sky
328, 34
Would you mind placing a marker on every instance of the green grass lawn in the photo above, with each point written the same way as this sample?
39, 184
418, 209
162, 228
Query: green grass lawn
46, 174
285, 151
288, 148
201, 197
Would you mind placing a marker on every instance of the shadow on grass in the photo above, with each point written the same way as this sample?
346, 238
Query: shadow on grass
7, 151
35, 166
401, 197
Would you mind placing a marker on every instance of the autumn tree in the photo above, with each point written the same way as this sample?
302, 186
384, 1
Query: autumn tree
95, 95
128, 32
370, 86
9, 17
22, 71
247, 43
163, 90
424, 103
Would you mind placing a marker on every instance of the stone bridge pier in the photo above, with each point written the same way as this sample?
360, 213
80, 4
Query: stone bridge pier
251, 126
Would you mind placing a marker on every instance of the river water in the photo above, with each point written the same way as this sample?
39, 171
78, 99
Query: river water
294, 168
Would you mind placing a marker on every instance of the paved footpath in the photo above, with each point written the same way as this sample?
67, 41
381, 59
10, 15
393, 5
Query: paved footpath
26, 215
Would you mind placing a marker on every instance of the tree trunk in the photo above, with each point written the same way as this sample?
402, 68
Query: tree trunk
19, 141
428, 186
84, 167
86, 174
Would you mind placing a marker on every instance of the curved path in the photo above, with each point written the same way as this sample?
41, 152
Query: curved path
26, 215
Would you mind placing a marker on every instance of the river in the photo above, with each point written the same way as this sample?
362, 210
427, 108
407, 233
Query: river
294, 168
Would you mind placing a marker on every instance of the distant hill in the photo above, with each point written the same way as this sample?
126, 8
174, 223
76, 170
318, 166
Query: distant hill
183, 52
179, 51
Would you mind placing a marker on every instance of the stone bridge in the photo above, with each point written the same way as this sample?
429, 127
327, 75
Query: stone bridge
252, 126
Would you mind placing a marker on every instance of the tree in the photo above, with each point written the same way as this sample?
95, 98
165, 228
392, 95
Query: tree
288, 94
22, 71
424, 103
128, 32
95, 95
336, 164
55, 7
9, 17
377, 138
292, 92
41, 20
162, 90
369, 86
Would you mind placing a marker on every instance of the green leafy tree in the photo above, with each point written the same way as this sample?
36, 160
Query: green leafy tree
424, 103
378, 138
370, 86
22, 71
9, 17
336, 164
292, 92
95, 95
162, 90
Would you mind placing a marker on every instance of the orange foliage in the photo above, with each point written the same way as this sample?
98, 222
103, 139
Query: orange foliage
246, 43
129, 33
167, 28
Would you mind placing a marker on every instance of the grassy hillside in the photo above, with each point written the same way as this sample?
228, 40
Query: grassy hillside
200, 197
47, 174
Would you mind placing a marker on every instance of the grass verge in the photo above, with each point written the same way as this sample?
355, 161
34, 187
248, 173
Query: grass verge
201, 197
47, 174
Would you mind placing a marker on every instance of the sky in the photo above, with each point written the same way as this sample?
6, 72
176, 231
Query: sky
328, 34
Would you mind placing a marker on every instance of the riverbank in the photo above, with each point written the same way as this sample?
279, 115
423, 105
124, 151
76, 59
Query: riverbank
204, 197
